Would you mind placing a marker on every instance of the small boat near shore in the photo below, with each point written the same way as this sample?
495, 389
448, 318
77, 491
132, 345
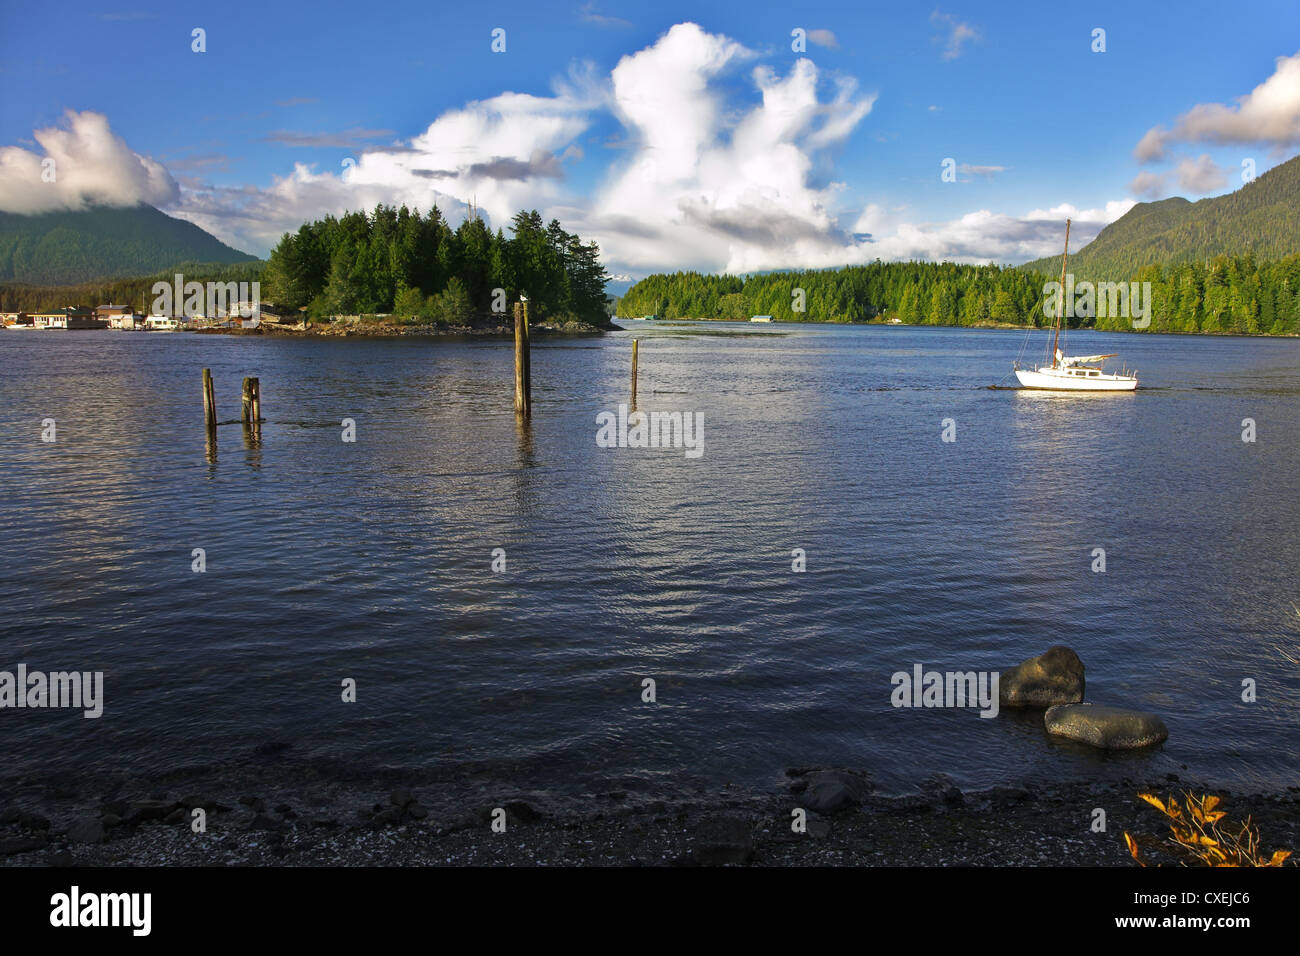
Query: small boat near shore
162, 323
1072, 373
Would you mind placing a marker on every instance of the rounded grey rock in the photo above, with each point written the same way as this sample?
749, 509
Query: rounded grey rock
1053, 677
1110, 728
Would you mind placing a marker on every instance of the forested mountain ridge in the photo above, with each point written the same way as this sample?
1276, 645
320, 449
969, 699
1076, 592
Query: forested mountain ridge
135, 291
1262, 219
102, 242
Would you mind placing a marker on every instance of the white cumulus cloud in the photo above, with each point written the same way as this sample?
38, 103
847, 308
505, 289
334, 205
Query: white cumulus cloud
80, 163
502, 154
1268, 114
984, 235
708, 189
701, 183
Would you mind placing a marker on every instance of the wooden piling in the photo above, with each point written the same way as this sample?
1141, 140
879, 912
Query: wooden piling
634, 348
246, 409
209, 403
255, 406
528, 359
523, 390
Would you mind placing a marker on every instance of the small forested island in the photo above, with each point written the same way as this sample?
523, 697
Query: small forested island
417, 270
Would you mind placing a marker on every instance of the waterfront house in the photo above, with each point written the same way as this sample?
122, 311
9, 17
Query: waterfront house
120, 317
50, 320
110, 312
83, 317
71, 317
15, 318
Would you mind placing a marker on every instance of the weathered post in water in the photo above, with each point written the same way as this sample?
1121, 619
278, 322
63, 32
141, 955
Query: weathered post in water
246, 410
209, 403
255, 406
634, 345
528, 355
523, 389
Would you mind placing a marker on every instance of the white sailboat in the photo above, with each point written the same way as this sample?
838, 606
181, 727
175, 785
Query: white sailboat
1073, 373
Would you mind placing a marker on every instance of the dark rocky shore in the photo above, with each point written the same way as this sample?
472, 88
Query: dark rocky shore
306, 817
273, 810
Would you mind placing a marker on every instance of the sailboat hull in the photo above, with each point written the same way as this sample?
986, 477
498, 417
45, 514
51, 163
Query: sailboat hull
1060, 380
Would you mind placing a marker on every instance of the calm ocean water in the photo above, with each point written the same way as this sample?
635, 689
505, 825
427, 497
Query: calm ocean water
372, 560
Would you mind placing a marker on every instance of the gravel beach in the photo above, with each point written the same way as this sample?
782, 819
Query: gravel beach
259, 819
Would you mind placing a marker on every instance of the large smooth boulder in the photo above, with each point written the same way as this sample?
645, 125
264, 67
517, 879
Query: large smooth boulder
1053, 677
1110, 728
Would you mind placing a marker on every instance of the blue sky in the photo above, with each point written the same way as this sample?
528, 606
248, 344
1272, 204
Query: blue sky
680, 135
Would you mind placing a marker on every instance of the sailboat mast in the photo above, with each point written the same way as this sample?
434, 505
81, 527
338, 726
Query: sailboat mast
1060, 311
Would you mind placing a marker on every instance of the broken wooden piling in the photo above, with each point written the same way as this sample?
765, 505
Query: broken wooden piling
634, 348
523, 383
528, 356
209, 403
252, 404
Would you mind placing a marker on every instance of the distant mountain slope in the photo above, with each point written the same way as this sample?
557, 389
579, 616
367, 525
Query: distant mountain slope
102, 242
1262, 217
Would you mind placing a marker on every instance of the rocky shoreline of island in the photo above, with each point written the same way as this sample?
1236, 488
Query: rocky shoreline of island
359, 326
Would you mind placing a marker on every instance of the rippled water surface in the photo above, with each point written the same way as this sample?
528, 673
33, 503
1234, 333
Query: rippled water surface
371, 560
